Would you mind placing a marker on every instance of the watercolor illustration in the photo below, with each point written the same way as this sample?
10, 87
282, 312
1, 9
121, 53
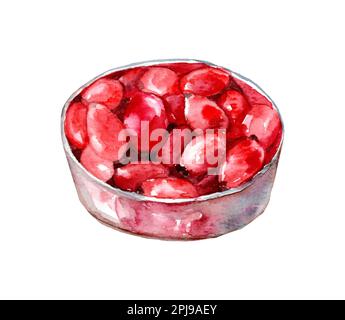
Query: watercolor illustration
172, 149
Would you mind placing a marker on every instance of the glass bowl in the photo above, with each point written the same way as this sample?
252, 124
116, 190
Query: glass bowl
206, 216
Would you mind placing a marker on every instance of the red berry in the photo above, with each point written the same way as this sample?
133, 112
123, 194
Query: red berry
271, 151
149, 108
234, 104
75, 125
160, 81
205, 82
207, 185
203, 113
99, 167
263, 122
131, 176
252, 95
237, 130
243, 161
175, 107
108, 92
172, 188
175, 144
130, 80
104, 128
182, 68
204, 152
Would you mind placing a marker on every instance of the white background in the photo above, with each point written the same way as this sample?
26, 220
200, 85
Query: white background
50, 247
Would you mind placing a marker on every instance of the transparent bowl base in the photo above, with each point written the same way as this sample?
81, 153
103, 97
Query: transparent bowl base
176, 221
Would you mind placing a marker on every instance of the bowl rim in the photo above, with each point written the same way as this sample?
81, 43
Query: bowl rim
140, 197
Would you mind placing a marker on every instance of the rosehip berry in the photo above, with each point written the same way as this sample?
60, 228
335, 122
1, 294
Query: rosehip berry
262, 122
99, 167
75, 125
234, 104
272, 150
182, 68
108, 92
172, 188
203, 113
130, 80
252, 95
174, 145
175, 107
205, 82
207, 185
237, 130
131, 176
243, 161
104, 129
160, 81
204, 152
149, 108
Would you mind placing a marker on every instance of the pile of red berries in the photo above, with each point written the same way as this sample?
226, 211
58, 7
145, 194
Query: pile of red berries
172, 96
